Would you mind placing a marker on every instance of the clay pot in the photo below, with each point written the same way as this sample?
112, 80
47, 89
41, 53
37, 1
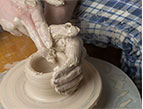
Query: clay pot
38, 73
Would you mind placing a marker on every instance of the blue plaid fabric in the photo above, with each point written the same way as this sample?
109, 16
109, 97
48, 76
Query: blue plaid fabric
116, 23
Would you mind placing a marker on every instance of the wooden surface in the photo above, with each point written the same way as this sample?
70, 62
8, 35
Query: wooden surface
14, 49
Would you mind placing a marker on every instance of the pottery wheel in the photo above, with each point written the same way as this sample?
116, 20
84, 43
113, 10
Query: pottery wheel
13, 95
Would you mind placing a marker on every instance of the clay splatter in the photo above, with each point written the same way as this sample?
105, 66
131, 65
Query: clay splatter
125, 103
8, 66
8, 54
123, 93
119, 83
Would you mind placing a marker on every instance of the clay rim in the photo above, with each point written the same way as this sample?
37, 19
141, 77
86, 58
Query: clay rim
32, 71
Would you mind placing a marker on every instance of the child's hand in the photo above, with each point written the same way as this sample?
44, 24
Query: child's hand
67, 78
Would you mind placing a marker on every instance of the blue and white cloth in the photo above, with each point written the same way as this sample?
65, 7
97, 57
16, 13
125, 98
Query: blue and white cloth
116, 23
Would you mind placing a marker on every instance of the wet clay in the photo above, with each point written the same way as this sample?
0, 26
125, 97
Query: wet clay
42, 65
28, 90
28, 84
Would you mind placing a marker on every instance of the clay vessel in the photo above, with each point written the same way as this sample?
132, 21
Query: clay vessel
38, 73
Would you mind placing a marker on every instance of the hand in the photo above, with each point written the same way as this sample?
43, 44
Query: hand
67, 77
59, 33
25, 16
60, 14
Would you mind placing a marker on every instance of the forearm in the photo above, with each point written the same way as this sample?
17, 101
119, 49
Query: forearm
62, 14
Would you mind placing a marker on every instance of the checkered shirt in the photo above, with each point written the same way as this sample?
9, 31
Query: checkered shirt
114, 23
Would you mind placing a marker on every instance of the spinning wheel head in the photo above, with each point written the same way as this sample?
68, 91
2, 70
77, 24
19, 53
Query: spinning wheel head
22, 88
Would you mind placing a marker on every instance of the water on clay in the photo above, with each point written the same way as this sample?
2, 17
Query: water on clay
41, 65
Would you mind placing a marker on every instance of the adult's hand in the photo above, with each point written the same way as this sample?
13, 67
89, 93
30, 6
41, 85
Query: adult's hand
25, 16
